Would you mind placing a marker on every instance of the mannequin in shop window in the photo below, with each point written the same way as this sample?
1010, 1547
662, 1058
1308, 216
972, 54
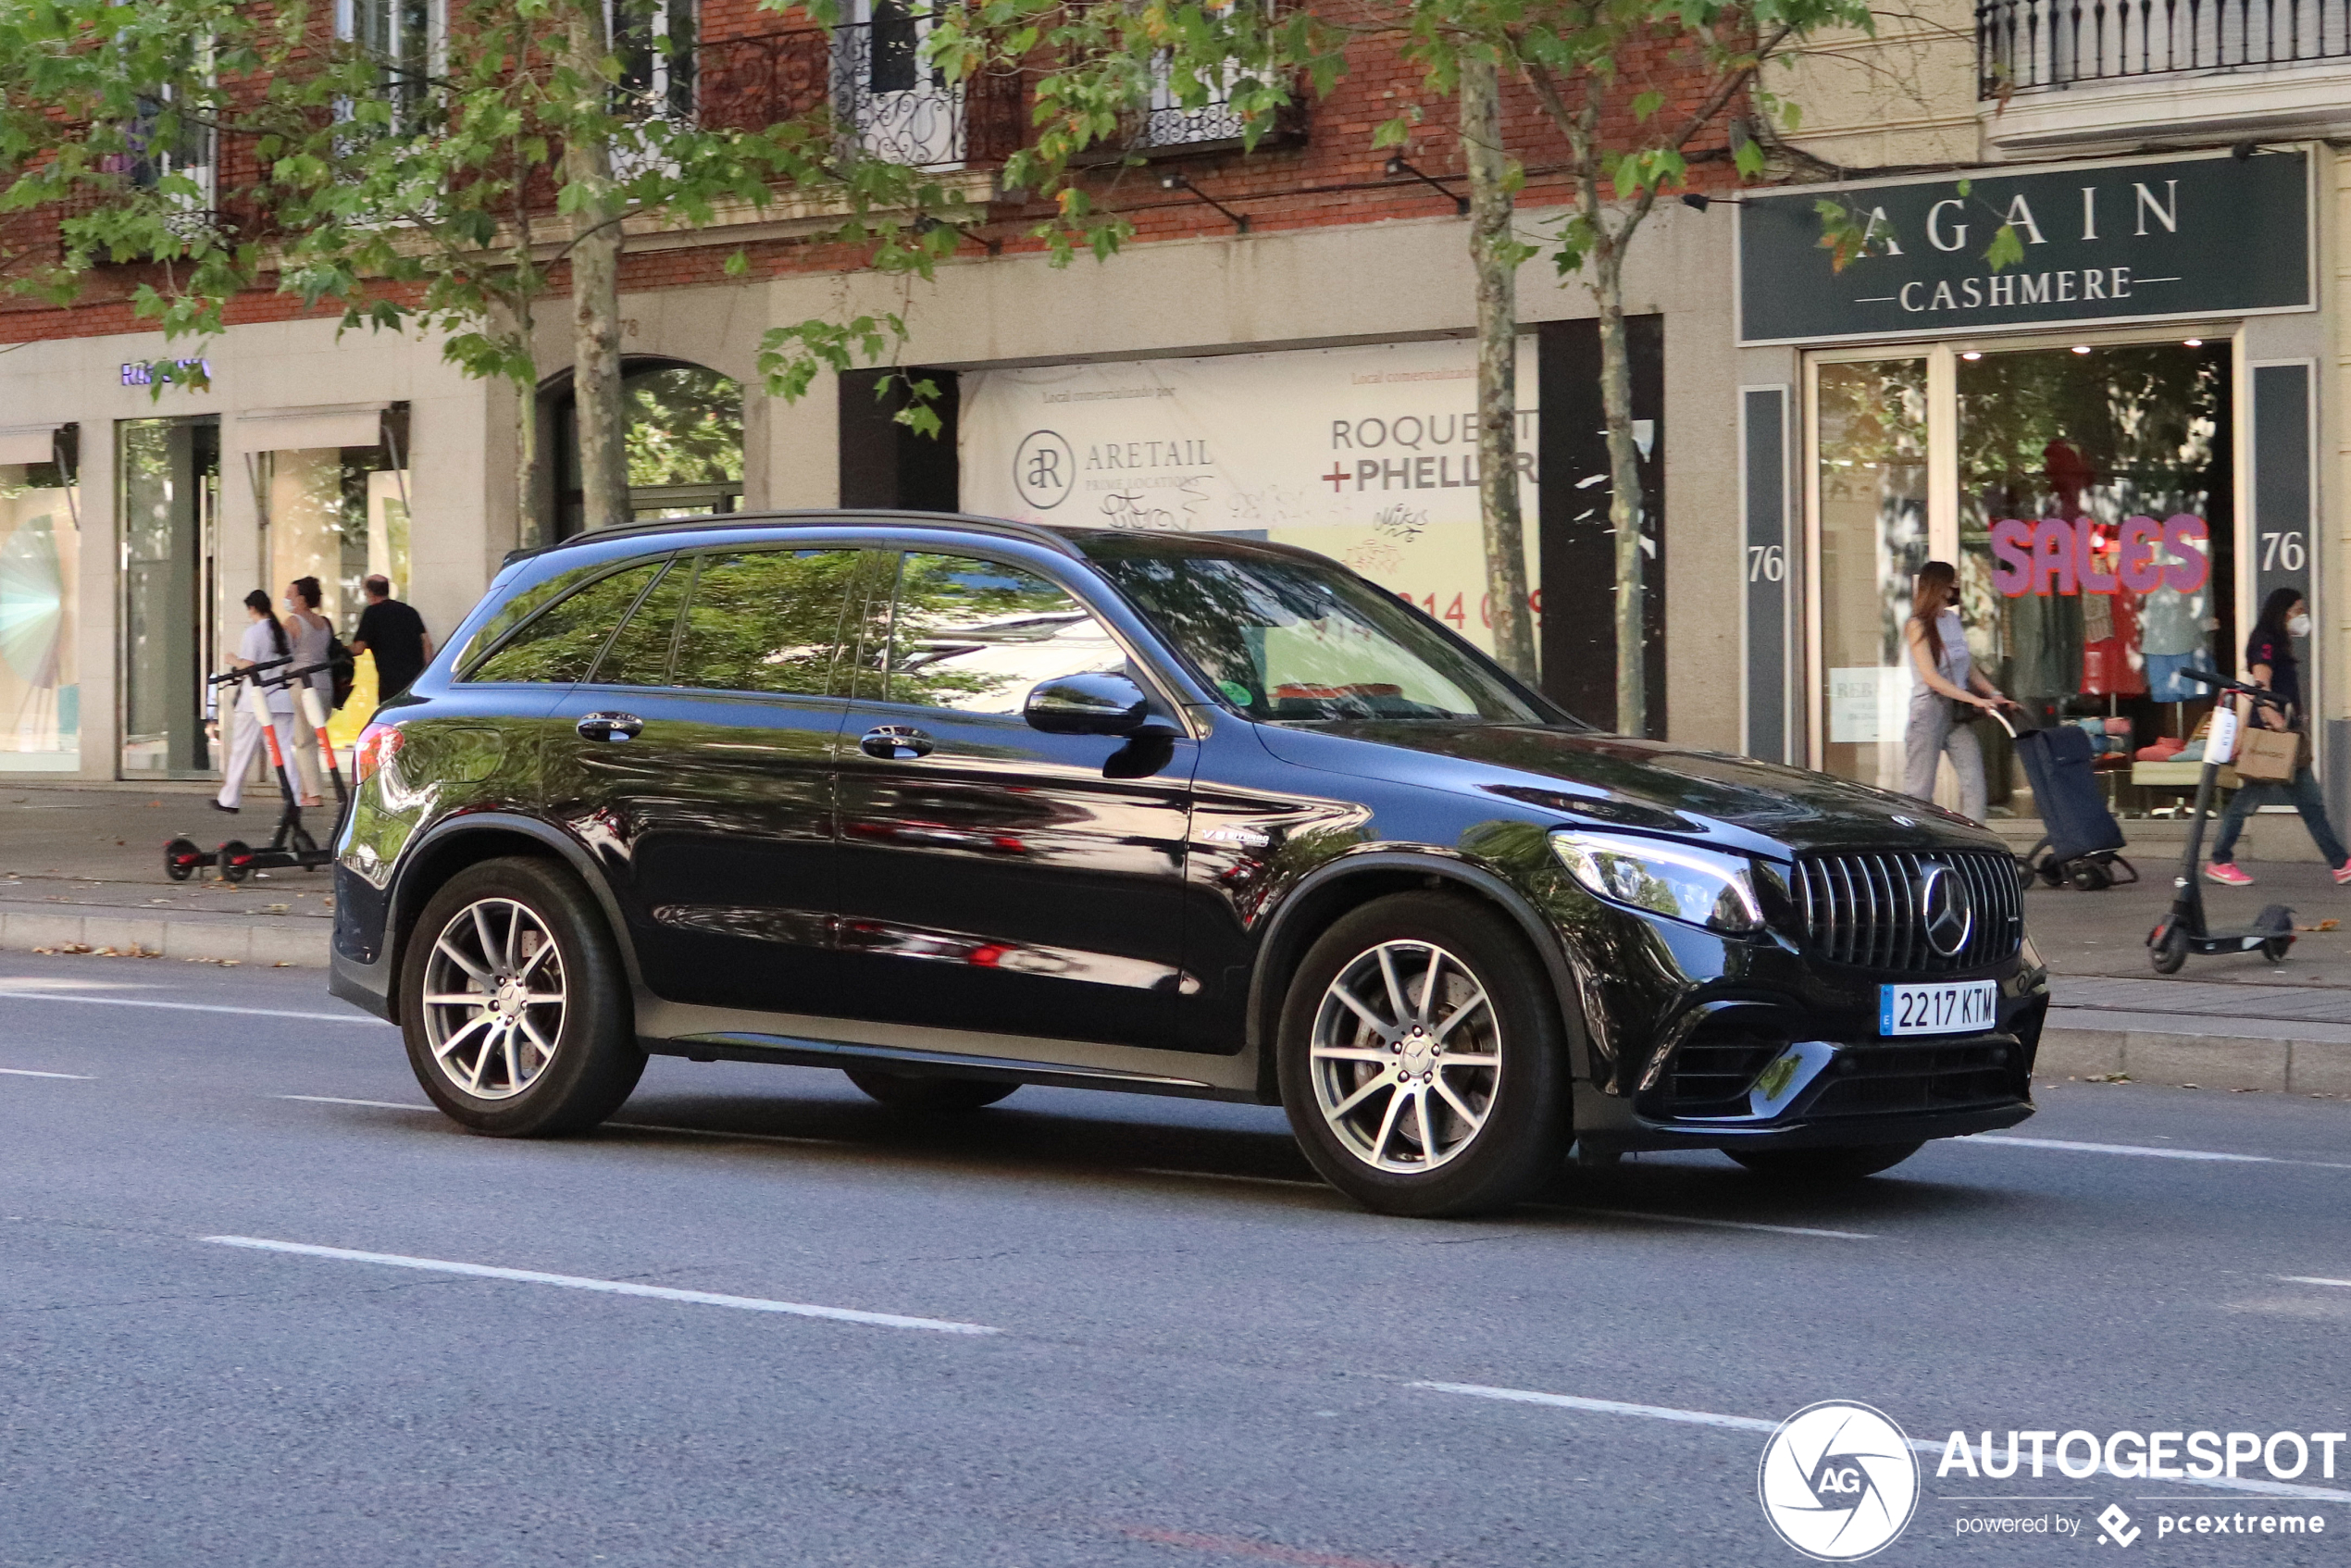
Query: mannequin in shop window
1950, 694
2270, 663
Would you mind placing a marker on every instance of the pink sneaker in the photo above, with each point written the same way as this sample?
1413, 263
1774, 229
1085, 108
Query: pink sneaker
2220, 871
2343, 874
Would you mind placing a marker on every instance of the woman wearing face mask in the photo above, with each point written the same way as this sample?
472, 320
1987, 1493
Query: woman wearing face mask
2270, 663
263, 641
1948, 691
311, 632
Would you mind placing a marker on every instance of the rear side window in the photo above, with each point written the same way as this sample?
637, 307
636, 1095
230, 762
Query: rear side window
765, 620
639, 655
560, 644
520, 608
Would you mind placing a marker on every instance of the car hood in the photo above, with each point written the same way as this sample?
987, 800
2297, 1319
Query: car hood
1651, 785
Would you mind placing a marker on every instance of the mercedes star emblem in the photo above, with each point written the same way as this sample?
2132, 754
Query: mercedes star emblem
1947, 908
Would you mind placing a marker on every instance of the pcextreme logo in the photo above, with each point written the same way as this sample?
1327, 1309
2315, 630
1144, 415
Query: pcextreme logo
1839, 1481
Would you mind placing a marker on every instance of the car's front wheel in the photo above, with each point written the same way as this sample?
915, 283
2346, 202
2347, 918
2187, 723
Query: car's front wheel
1421, 1058
514, 1003
1826, 1164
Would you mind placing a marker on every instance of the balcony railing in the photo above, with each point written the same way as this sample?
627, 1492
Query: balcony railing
2033, 46
889, 102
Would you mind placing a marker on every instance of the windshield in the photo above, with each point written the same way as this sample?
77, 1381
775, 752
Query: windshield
1294, 639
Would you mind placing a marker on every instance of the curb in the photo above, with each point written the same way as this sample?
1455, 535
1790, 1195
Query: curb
211, 940
2285, 1062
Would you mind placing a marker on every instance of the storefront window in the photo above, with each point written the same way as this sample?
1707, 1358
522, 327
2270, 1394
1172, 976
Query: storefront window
1872, 491
685, 444
169, 474
40, 554
339, 514
2095, 524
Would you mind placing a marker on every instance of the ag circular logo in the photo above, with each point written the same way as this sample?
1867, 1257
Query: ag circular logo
1839, 1481
1043, 469
1950, 909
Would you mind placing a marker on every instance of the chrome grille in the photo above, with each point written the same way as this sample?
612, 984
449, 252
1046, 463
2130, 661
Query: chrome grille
1861, 907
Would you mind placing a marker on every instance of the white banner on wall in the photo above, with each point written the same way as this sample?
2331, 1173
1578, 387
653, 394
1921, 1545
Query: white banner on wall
1367, 455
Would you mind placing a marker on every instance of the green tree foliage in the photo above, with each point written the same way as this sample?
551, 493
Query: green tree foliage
412, 184
1607, 120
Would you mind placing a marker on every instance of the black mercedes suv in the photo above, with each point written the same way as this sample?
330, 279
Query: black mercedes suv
956, 804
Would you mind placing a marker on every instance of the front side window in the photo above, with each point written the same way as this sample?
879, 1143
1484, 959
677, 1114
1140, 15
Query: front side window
1292, 640
765, 620
978, 636
559, 645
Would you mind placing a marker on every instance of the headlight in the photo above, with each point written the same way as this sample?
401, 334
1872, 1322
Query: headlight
1700, 886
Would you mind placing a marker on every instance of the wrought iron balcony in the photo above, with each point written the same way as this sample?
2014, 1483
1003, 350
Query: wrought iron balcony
889, 102
2035, 45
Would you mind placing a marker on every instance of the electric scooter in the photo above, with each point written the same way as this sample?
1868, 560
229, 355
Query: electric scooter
183, 857
2184, 930
292, 843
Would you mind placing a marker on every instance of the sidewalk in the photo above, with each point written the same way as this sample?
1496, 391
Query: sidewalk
83, 868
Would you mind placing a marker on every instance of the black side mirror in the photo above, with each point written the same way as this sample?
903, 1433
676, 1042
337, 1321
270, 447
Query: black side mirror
1096, 702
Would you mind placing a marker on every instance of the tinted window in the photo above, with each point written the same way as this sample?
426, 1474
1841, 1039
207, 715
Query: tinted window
765, 620
1285, 639
639, 652
561, 644
976, 635
514, 611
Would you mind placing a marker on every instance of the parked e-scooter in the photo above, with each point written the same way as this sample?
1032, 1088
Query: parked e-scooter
292, 843
183, 857
2184, 930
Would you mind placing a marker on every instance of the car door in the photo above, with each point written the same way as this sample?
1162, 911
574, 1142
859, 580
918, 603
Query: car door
699, 768
994, 878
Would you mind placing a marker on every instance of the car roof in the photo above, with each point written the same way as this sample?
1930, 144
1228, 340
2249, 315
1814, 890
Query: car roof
1062, 540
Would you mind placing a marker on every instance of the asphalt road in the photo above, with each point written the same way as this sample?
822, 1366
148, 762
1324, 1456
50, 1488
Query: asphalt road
1071, 1329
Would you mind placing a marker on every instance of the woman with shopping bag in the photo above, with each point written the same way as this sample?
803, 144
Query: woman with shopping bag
2273, 754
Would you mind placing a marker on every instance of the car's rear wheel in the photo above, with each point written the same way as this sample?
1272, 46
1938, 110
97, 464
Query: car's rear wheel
903, 1091
514, 1003
1826, 1164
1421, 1058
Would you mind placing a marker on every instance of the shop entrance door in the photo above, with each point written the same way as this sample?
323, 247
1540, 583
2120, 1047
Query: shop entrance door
2087, 495
170, 489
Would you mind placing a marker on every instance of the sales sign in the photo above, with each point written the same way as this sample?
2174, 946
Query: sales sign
2150, 239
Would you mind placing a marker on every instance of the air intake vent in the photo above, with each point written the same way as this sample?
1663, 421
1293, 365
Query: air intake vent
1869, 908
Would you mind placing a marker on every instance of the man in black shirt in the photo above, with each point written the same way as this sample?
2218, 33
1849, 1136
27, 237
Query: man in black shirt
395, 634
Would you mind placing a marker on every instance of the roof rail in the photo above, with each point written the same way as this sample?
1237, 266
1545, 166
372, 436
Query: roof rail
1033, 533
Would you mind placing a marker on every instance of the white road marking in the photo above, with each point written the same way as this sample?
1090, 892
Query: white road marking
1749, 1424
1714, 1224
730, 1136
339, 1100
354, 1017
2314, 1279
29, 1072
609, 1286
1224, 1176
2147, 1152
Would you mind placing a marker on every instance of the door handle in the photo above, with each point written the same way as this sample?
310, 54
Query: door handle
895, 743
611, 726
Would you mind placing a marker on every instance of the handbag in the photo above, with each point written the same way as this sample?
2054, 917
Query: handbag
2268, 757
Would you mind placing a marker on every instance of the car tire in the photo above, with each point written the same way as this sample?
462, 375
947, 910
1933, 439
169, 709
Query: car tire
1849, 1164
550, 1046
1357, 1078
903, 1091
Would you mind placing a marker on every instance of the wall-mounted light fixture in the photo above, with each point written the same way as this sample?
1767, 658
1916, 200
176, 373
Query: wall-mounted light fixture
1174, 180
1397, 166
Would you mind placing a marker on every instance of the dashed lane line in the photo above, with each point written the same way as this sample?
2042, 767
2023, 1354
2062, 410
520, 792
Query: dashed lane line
1712, 1224
1750, 1424
2146, 1152
339, 1100
607, 1286
192, 1007
30, 1073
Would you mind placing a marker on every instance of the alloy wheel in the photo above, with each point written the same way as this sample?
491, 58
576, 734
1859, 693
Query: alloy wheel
493, 998
1405, 1057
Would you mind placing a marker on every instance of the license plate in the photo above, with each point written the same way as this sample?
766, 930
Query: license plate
1953, 1007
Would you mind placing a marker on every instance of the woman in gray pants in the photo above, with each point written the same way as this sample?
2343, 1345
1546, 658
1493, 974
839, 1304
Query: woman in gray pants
1948, 686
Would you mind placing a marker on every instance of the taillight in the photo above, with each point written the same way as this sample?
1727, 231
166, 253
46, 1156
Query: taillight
379, 743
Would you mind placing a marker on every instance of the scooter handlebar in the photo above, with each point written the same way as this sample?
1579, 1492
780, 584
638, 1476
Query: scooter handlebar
2243, 688
229, 677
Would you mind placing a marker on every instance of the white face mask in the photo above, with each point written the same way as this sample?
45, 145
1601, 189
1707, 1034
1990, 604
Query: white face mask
2298, 627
